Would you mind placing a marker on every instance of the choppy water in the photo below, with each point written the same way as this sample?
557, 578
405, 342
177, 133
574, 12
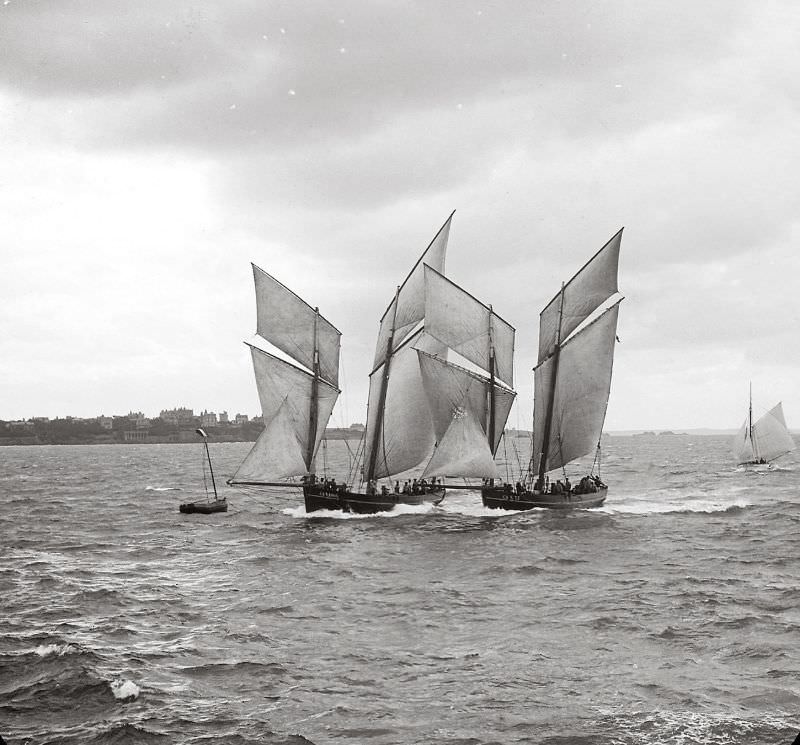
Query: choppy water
672, 615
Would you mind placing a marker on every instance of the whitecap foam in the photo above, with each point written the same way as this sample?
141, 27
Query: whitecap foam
656, 505
43, 650
124, 689
162, 488
398, 509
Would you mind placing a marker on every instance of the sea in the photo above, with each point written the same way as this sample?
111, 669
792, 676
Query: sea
669, 615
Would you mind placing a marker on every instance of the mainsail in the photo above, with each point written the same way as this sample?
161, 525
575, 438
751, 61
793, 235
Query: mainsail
469, 409
764, 440
572, 380
579, 390
399, 433
296, 403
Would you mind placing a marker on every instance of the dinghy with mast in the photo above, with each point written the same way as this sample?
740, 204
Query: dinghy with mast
399, 434
297, 395
763, 441
572, 382
217, 504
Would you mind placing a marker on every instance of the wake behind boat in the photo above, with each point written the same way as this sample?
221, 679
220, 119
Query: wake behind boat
572, 381
209, 506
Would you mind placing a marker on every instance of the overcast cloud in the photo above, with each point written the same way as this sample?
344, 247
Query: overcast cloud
152, 151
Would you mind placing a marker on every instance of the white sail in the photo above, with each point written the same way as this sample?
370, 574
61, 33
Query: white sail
771, 438
583, 294
582, 387
743, 445
408, 306
405, 437
284, 386
288, 322
467, 326
269, 459
451, 388
463, 451
459, 401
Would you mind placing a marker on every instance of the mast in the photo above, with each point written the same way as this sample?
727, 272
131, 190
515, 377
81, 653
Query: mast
373, 453
313, 416
552, 397
492, 425
750, 427
203, 434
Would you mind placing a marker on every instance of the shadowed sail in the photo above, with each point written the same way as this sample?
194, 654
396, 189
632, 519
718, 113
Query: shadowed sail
296, 403
469, 409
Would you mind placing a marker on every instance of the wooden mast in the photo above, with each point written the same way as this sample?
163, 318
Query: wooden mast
492, 423
313, 417
552, 397
373, 451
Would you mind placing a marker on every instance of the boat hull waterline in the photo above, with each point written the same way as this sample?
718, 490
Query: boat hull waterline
497, 498
204, 508
316, 498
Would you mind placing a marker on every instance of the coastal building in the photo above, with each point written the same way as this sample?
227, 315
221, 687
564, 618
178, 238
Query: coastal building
178, 417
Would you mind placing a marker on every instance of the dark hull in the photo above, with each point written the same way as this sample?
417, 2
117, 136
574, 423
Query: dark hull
496, 498
205, 508
364, 504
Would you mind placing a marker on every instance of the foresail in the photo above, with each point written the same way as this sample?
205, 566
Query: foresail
270, 460
742, 445
581, 392
453, 391
287, 321
771, 438
583, 294
466, 325
405, 437
283, 386
407, 308
462, 451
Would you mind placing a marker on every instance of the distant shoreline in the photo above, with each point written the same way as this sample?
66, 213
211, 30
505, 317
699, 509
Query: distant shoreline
190, 437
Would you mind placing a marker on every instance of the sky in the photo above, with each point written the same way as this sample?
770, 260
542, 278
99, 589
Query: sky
152, 150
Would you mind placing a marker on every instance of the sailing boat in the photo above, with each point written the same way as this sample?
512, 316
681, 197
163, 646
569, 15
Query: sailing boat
207, 507
762, 441
469, 408
399, 434
297, 395
572, 381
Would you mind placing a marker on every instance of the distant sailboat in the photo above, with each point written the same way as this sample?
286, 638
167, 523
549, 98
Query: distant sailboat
469, 408
399, 433
297, 397
572, 381
217, 504
762, 441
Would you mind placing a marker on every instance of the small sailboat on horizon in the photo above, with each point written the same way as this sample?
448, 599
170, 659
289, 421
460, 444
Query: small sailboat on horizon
761, 442
572, 382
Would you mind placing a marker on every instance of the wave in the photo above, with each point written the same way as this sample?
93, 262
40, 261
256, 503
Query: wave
124, 689
163, 488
